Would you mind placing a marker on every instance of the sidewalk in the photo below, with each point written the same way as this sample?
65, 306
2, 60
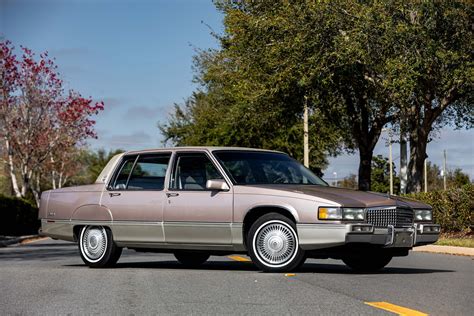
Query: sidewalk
459, 251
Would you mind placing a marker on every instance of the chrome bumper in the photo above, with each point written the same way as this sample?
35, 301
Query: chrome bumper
319, 236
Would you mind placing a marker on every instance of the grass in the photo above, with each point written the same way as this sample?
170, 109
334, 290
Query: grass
457, 242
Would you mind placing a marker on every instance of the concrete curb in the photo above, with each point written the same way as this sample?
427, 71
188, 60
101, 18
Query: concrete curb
447, 250
16, 240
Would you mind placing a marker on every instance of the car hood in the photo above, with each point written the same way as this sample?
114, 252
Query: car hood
347, 197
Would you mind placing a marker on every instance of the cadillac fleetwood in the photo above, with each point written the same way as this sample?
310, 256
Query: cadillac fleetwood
196, 202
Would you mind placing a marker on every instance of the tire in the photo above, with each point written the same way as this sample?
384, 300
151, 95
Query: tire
97, 247
273, 244
368, 263
191, 259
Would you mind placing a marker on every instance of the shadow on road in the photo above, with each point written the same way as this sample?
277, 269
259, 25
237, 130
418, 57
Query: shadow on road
310, 268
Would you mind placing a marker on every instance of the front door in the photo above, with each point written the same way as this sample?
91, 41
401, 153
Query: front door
136, 198
194, 214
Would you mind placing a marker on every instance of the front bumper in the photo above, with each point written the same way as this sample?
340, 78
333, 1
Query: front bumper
320, 236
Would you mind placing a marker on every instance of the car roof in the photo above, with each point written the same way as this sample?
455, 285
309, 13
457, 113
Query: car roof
199, 148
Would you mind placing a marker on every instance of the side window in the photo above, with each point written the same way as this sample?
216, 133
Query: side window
192, 172
121, 178
149, 172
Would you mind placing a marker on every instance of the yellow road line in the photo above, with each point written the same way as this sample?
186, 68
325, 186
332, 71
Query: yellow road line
239, 258
31, 240
289, 274
400, 310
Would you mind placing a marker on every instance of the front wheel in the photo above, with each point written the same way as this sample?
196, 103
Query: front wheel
273, 244
368, 262
97, 247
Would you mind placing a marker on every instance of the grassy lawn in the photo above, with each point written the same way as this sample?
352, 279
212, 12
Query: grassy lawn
458, 242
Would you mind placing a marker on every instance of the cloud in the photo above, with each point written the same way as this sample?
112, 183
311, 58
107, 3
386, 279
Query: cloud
69, 52
143, 112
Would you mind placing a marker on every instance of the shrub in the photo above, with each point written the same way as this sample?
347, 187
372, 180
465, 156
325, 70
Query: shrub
18, 217
452, 209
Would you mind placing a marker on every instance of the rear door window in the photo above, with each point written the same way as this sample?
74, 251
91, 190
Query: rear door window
149, 172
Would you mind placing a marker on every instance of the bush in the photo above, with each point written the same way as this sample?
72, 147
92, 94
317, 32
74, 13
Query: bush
452, 209
18, 217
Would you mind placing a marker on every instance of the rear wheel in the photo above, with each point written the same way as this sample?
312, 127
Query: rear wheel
368, 263
273, 244
97, 247
191, 259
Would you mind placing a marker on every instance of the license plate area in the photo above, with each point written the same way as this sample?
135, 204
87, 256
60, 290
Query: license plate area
400, 237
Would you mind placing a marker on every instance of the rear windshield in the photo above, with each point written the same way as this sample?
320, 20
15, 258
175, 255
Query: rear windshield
247, 167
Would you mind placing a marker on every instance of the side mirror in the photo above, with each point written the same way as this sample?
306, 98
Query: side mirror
217, 184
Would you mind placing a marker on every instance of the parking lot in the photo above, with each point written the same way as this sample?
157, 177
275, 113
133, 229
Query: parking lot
48, 277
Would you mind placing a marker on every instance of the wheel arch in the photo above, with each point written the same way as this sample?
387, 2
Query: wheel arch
256, 212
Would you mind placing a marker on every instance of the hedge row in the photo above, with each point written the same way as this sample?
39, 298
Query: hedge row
453, 209
18, 217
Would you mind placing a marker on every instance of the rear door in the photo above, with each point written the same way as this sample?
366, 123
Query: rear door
194, 214
135, 196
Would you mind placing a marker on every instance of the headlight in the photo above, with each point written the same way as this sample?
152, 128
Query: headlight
337, 213
353, 214
423, 215
330, 213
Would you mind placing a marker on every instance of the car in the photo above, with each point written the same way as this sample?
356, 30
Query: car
196, 202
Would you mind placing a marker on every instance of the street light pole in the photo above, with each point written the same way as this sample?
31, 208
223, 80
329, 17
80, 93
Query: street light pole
444, 170
306, 133
390, 161
335, 178
426, 175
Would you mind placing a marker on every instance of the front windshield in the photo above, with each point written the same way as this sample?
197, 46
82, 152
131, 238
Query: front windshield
249, 167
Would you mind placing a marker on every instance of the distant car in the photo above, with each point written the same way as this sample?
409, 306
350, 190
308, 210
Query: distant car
196, 202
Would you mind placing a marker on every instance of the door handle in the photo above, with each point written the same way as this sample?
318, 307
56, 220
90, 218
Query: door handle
172, 194
114, 194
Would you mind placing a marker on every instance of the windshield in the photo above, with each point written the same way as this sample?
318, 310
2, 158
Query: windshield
248, 167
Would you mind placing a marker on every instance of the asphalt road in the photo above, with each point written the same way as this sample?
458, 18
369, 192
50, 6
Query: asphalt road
48, 277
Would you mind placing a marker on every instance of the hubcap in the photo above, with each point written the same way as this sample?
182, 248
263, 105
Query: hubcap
275, 243
94, 243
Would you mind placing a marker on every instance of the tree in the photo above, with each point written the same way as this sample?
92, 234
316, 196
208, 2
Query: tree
40, 122
454, 178
91, 165
433, 73
381, 175
349, 182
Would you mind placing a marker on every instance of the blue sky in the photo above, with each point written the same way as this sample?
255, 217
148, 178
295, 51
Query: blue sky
136, 56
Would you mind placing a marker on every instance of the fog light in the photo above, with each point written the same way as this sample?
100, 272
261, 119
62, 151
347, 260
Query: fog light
362, 228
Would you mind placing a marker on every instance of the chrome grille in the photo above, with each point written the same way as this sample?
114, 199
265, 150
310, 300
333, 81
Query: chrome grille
397, 217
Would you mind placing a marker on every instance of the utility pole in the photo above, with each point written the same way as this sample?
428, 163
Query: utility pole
426, 174
403, 163
444, 170
390, 161
306, 133
390, 157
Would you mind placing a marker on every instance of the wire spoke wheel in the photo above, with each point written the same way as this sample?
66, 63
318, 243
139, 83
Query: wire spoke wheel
94, 243
275, 243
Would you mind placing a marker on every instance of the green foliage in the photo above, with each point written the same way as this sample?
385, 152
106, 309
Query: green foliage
349, 182
454, 178
92, 163
381, 175
452, 209
360, 65
19, 217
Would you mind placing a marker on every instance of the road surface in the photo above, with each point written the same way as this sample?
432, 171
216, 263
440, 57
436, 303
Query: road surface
48, 277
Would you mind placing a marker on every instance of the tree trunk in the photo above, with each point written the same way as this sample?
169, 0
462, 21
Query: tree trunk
365, 168
418, 143
15, 187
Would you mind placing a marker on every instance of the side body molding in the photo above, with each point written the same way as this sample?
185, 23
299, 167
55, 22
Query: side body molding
92, 212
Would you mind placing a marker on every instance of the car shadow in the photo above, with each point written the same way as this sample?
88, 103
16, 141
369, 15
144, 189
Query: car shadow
308, 268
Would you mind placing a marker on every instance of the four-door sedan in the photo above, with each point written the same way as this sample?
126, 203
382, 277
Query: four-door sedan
196, 202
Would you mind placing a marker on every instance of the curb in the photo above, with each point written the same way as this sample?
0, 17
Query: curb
16, 240
446, 250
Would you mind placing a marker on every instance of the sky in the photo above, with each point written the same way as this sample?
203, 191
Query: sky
136, 56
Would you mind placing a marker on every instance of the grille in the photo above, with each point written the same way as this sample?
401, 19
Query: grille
397, 217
